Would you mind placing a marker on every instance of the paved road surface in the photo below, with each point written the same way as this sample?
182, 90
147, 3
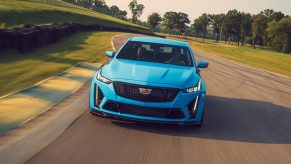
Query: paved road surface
247, 120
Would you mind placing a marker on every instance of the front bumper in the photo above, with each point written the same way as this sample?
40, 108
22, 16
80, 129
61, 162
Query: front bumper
183, 102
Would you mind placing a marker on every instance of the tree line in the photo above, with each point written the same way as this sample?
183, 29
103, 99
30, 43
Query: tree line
268, 28
101, 6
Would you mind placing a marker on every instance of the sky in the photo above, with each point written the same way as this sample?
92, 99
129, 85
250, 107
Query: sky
194, 8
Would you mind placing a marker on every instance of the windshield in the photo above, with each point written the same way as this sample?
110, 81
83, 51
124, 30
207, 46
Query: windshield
159, 53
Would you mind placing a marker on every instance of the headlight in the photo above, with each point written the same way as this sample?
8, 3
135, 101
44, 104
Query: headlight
193, 89
103, 79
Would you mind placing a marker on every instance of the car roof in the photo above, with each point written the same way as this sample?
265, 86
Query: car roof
159, 41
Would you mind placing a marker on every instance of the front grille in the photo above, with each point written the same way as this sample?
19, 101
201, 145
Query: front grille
175, 113
157, 94
143, 111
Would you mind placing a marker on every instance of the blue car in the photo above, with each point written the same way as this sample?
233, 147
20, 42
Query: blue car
152, 80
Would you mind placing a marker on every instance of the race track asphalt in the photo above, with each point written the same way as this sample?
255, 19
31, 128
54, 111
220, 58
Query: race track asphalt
247, 120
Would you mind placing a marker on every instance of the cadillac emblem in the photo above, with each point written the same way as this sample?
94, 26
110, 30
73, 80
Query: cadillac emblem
145, 91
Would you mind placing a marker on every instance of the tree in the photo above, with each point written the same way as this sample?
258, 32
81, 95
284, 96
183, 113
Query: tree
114, 11
99, 3
180, 21
123, 15
201, 24
259, 26
154, 20
272, 15
136, 10
169, 20
143, 23
232, 24
117, 13
277, 16
216, 21
246, 26
84, 3
100, 6
279, 34
197, 26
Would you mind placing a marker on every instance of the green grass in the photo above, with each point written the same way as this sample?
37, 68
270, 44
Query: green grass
15, 13
22, 70
261, 58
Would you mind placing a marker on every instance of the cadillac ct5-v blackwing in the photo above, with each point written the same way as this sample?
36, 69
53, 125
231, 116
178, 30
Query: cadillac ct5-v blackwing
150, 79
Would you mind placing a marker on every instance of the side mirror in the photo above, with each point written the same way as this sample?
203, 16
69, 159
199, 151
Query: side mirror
202, 64
110, 54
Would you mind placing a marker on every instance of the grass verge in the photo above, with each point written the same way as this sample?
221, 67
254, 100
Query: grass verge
19, 71
260, 58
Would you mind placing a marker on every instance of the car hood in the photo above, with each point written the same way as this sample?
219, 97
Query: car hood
150, 72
